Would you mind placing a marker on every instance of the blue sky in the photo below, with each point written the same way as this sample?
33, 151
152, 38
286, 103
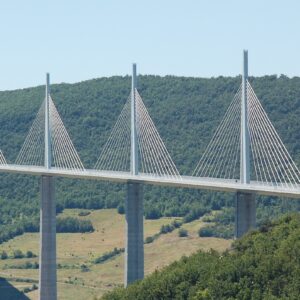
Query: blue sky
83, 39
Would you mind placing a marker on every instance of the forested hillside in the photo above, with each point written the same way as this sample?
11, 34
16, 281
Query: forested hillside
185, 111
262, 265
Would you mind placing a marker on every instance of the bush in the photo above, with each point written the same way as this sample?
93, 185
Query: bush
31, 225
206, 231
84, 213
71, 224
176, 223
84, 268
29, 254
18, 254
149, 239
29, 265
265, 226
106, 256
121, 209
26, 265
28, 289
221, 231
3, 255
166, 229
182, 232
195, 214
152, 213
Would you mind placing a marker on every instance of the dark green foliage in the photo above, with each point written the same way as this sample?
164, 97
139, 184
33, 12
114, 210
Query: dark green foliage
186, 111
217, 230
70, 224
26, 265
84, 268
3, 255
182, 232
166, 229
30, 289
264, 264
207, 231
108, 255
153, 213
121, 209
176, 223
30, 254
84, 213
223, 226
149, 239
195, 214
18, 254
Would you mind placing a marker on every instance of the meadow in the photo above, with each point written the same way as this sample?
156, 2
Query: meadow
78, 276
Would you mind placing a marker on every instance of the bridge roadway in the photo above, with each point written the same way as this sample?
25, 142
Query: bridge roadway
215, 184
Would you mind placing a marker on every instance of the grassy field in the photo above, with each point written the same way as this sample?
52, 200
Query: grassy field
75, 249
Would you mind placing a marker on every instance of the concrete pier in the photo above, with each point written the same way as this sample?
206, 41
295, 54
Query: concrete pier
134, 233
245, 208
47, 261
245, 213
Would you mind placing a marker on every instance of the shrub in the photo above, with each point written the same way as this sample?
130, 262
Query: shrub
31, 225
26, 265
152, 213
218, 230
18, 254
106, 256
3, 255
149, 239
30, 254
182, 232
84, 213
84, 268
28, 289
166, 229
195, 214
121, 209
206, 231
176, 223
71, 224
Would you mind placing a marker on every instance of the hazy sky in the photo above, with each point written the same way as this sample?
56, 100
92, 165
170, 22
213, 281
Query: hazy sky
77, 40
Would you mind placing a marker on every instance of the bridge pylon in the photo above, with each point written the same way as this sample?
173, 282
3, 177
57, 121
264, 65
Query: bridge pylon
47, 260
134, 213
245, 209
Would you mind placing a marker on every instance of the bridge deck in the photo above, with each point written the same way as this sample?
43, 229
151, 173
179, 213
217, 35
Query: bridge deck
215, 184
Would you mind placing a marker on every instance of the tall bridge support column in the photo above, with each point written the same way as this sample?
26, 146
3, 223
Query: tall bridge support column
245, 209
47, 276
134, 231
245, 213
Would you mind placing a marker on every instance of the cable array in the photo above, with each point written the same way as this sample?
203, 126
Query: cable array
221, 157
2, 159
63, 151
33, 149
272, 162
115, 155
154, 158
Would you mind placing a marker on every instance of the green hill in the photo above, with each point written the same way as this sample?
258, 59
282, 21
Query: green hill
263, 265
186, 111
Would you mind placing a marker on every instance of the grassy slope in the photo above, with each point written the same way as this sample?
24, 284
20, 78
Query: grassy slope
75, 249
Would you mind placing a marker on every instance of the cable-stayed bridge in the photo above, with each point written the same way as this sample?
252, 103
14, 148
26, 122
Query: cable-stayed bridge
207, 183
245, 156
